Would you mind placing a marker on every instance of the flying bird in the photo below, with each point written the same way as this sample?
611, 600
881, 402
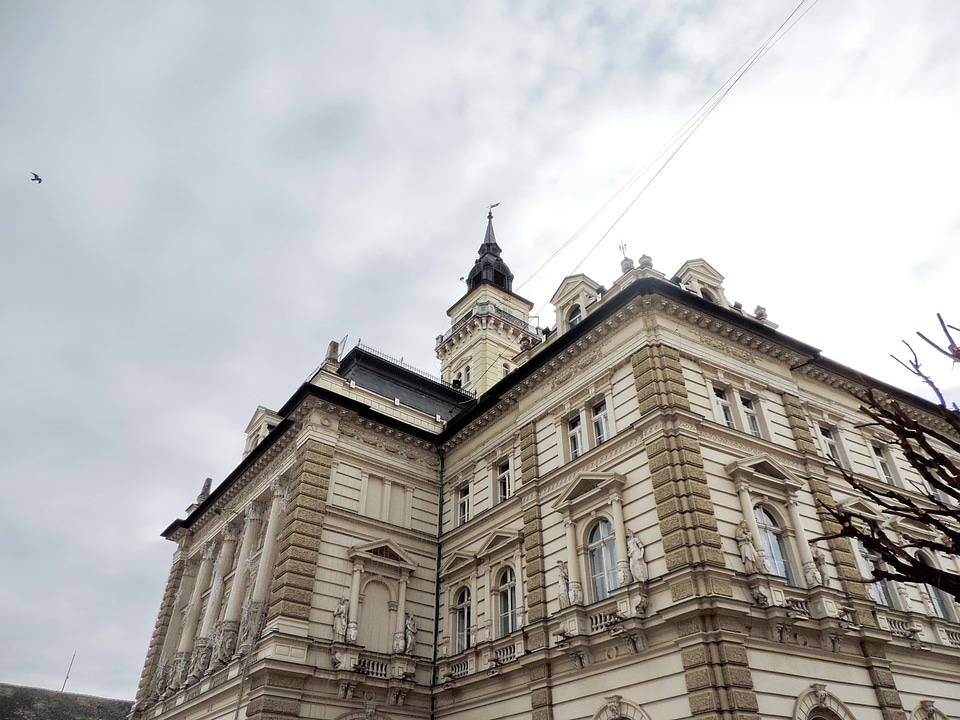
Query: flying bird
36, 178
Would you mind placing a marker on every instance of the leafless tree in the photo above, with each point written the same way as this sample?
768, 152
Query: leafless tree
923, 517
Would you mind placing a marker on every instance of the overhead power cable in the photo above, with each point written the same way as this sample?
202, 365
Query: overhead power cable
680, 137
677, 141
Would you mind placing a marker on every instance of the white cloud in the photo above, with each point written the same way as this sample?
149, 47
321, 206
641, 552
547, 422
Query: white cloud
229, 186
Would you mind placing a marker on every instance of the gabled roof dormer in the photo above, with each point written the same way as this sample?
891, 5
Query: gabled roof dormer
261, 424
700, 278
574, 299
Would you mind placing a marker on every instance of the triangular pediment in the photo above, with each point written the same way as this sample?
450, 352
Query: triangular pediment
588, 485
700, 269
261, 415
384, 552
571, 287
457, 561
763, 469
497, 539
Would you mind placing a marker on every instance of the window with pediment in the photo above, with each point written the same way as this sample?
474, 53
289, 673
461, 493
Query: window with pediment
506, 602
602, 559
462, 619
774, 544
939, 603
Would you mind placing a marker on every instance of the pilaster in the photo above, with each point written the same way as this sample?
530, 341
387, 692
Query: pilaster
152, 662
299, 539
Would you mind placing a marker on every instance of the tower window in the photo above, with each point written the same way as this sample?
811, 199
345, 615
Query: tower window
574, 317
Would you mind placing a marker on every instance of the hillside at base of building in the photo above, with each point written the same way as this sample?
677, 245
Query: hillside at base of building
30, 703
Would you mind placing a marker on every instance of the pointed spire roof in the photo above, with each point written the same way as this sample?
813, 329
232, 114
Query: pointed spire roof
489, 267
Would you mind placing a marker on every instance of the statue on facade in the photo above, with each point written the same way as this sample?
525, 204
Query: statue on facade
638, 568
563, 585
410, 634
811, 575
748, 551
820, 560
340, 620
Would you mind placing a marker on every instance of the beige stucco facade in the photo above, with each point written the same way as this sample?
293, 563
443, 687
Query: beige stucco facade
619, 528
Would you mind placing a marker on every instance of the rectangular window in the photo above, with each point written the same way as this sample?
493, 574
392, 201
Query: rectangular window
883, 464
463, 505
750, 414
830, 443
601, 426
575, 435
881, 591
723, 407
504, 481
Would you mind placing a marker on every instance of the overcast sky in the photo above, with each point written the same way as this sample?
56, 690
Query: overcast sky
228, 186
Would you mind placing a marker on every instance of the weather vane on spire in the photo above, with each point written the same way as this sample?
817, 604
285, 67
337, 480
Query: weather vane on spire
490, 210
623, 248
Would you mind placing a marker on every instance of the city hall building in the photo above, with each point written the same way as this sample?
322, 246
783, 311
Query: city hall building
615, 517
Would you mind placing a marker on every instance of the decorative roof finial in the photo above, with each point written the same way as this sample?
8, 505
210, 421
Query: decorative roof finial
490, 210
622, 247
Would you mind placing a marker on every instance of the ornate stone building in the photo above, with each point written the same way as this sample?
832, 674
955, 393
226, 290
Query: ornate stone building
609, 519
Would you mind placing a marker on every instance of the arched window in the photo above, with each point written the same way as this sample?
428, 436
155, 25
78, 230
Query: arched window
937, 600
507, 602
461, 621
574, 317
603, 560
466, 374
774, 546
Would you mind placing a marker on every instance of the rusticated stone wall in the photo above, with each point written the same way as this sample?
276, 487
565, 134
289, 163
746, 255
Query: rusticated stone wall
717, 676
163, 622
299, 539
687, 521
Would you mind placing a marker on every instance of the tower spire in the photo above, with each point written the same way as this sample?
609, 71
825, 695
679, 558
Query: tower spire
489, 267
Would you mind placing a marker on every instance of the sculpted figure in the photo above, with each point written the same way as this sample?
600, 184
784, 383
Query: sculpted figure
821, 562
340, 620
563, 585
748, 552
638, 568
410, 634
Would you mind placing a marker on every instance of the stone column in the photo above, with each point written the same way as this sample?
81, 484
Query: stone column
354, 602
181, 660
573, 563
256, 613
172, 640
228, 628
620, 540
204, 644
399, 641
811, 574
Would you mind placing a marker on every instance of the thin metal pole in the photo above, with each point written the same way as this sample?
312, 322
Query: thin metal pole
69, 667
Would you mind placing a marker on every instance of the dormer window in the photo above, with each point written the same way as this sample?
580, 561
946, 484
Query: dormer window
574, 317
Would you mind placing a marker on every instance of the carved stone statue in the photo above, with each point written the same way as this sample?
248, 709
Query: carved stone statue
811, 575
410, 633
563, 585
638, 568
748, 551
340, 620
820, 559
